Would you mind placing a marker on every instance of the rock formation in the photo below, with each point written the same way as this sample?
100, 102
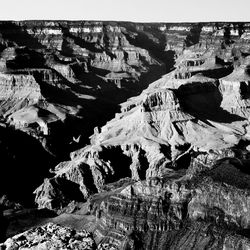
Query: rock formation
177, 211
83, 63
170, 171
50, 236
172, 124
180, 142
58, 80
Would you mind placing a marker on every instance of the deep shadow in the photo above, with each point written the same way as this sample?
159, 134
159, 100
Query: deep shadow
227, 35
244, 232
3, 225
119, 162
203, 109
26, 58
88, 179
232, 171
79, 41
144, 164
184, 161
216, 73
24, 164
194, 35
13, 32
156, 48
69, 189
66, 48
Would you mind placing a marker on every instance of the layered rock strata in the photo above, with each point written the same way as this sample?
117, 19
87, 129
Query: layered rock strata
58, 80
177, 212
181, 147
170, 170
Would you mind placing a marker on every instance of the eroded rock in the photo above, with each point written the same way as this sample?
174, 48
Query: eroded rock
51, 236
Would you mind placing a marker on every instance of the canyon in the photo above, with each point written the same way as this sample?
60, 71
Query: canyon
119, 135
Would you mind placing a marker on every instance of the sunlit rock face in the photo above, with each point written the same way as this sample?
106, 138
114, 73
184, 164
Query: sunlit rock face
19, 86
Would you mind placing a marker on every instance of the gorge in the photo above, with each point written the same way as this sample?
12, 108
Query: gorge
120, 135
